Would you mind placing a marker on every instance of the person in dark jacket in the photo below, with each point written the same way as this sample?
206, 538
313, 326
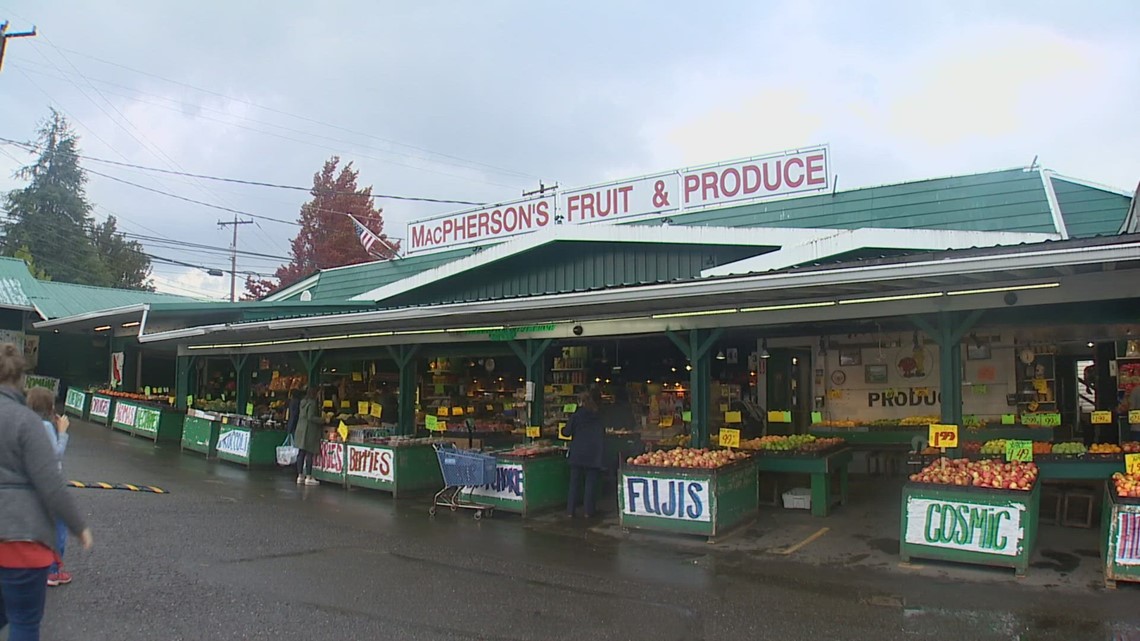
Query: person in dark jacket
587, 434
308, 437
32, 497
294, 411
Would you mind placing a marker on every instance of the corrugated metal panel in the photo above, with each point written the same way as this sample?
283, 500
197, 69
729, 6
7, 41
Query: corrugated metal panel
346, 282
58, 300
563, 267
1011, 200
1089, 211
15, 280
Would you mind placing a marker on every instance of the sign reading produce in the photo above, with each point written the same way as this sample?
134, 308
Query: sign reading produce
371, 463
100, 406
990, 529
667, 498
508, 485
234, 442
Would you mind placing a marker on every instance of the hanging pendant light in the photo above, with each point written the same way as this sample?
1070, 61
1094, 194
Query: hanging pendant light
720, 355
764, 349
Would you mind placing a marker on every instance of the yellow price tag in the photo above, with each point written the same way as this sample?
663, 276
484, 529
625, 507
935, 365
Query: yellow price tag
345, 405
1134, 417
943, 436
342, 429
1132, 463
490, 408
443, 411
327, 405
276, 374
547, 389
729, 437
358, 377
170, 400
816, 417
457, 411
1102, 418
666, 421
732, 417
376, 410
779, 416
724, 407
470, 409
225, 420
1040, 386
534, 431
562, 436
362, 407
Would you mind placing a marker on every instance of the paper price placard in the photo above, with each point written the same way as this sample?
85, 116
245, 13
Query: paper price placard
375, 410
533, 431
1008, 419
779, 416
443, 411
666, 421
1102, 418
362, 407
1134, 417
732, 418
729, 437
1132, 463
569, 408
1019, 451
687, 416
562, 435
943, 436
816, 417
432, 423
249, 409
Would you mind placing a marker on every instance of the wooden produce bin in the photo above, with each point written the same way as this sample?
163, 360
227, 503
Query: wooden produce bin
974, 525
200, 433
161, 425
77, 403
823, 468
1120, 537
704, 502
123, 416
101, 409
247, 446
329, 463
399, 469
1072, 468
525, 485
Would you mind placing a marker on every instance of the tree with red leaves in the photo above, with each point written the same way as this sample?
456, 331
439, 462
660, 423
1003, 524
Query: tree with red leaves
327, 237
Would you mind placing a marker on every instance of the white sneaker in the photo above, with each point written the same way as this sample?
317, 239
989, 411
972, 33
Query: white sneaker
300, 480
311, 481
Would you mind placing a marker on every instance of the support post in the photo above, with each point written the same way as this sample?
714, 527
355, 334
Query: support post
183, 379
696, 347
531, 353
311, 360
948, 333
241, 377
405, 357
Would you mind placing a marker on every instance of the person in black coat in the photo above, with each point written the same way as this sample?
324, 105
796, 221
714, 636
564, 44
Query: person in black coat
587, 433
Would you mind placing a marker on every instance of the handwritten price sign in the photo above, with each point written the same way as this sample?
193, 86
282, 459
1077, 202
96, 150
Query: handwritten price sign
534, 431
729, 437
1134, 417
943, 436
1132, 463
1102, 418
1021, 451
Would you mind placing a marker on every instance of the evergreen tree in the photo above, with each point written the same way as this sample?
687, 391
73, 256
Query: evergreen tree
125, 264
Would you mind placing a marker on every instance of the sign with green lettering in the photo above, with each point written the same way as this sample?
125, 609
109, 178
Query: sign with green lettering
972, 527
147, 419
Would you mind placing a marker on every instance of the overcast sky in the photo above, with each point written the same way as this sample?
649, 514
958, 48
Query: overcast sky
480, 100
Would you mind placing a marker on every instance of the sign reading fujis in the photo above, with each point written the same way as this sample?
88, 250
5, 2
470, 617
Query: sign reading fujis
780, 174
679, 499
989, 529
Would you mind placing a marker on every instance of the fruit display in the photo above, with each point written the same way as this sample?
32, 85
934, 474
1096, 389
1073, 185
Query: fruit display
534, 450
688, 458
912, 421
1105, 448
1070, 448
680, 440
996, 446
1127, 485
820, 444
972, 422
984, 473
972, 447
1130, 447
1042, 447
835, 424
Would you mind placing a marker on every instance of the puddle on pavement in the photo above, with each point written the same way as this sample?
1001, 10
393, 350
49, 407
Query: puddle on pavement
941, 623
1062, 562
887, 546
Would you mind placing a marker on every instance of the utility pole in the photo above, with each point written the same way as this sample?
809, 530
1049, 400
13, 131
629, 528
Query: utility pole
233, 253
4, 35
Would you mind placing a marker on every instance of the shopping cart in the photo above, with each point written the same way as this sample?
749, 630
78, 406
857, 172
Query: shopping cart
463, 469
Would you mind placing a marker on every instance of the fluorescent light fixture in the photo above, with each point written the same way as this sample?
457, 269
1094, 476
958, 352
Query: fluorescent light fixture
493, 328
707, 312
419, 331
776, 308
1011, 288
102, 328
885, 299
131, 324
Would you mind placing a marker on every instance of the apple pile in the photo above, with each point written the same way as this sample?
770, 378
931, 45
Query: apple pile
1130, 447
1127, 485
688, 458
984, 473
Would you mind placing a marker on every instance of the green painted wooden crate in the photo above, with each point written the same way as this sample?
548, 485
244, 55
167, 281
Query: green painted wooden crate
1086, 468
77, 403
200, 434
123, 415
525, 485
399, 470
689, 501
1120, 537
158, 424
329, 463
969, 525
249, 447
101, 409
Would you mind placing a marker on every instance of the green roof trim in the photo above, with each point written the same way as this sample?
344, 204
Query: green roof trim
1090, 211
58, 300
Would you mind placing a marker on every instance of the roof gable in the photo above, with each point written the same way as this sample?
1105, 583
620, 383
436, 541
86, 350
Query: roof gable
57, 300
1088, 209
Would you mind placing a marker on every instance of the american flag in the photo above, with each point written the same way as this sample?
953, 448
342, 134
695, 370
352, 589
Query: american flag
372, 243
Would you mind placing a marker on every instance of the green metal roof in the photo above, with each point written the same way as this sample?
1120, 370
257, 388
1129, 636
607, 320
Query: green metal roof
15, 281
343, 283
58, 300
1090, 211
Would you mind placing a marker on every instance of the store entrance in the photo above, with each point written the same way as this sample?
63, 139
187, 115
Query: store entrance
789, 388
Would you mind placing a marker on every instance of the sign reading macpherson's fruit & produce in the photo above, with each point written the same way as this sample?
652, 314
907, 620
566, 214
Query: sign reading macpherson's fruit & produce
780, 174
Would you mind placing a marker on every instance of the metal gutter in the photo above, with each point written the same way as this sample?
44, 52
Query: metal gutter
89, 316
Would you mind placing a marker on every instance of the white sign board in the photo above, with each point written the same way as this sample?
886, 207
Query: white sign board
371, 463
508, 485
330, 458
679, 499
1128, 538
100, 406
972, 527
235, 443
781, 174
125, 414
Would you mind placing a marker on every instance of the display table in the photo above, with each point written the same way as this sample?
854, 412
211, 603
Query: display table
328, 464
904, 435
160, 424
248, 446
1120, 537
101, 409
704, 502
525, 485
123, 416
77, 403
822, 468
969, 525
399, 469
1086, 467
200, 434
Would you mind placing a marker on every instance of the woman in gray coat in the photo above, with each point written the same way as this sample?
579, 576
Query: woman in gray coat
308, 437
